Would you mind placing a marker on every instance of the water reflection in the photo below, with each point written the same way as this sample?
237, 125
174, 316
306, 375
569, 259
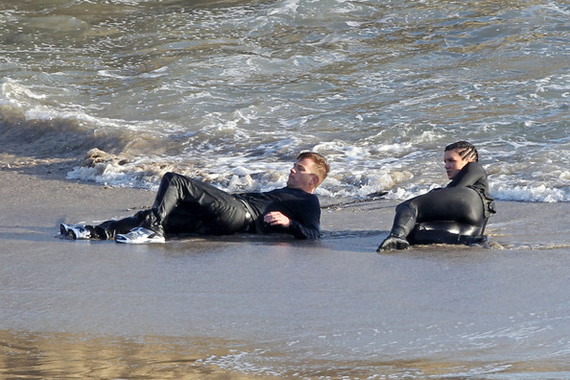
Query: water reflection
60, 355
28, 355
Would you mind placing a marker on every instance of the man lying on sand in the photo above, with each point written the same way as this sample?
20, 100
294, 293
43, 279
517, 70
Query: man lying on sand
187, 205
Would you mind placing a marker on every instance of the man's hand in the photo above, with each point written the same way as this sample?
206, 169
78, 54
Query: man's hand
276, 218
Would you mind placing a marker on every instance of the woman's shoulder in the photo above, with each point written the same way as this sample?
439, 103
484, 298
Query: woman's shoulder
474, 166
474, 169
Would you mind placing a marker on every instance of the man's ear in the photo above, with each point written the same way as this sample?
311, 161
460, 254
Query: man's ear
314, 181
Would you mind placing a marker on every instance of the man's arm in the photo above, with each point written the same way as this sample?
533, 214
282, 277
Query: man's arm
299, 231
302, 232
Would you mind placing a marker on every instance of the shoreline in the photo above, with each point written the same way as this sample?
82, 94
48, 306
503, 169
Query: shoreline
50, 198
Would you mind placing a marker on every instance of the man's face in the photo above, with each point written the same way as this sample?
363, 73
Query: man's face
302, 176
453, 163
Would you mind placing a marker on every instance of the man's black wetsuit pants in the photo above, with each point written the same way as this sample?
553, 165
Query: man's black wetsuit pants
184, 205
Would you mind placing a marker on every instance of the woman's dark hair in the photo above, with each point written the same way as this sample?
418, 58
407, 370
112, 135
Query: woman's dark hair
466, 150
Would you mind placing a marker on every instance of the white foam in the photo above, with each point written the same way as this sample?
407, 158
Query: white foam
284, 7
530, 193
355, 172
129, 175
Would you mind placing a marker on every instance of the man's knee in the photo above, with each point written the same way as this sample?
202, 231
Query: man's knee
177, 180
170, 176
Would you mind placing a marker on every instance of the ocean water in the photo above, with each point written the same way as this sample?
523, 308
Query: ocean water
232, 90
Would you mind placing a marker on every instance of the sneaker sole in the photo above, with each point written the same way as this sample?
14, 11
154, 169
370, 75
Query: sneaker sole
67, 233
126, 241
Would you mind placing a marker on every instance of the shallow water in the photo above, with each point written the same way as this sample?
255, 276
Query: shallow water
231, 91
289, 310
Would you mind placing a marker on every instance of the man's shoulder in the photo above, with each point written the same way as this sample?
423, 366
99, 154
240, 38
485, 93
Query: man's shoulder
294, 192
287, 194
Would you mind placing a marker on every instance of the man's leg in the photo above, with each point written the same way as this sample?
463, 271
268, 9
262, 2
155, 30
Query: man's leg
211, 210
110, 228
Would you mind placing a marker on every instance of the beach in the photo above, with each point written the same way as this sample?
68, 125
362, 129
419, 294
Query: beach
248, 306
99, 99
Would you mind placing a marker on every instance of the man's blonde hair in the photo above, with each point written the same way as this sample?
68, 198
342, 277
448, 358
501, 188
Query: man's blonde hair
322, 167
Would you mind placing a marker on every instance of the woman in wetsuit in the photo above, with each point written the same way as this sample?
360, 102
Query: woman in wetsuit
456, 214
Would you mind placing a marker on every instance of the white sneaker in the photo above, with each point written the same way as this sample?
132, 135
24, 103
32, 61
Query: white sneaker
140, 235
74, 231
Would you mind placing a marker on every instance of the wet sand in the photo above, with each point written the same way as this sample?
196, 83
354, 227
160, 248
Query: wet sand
246, 306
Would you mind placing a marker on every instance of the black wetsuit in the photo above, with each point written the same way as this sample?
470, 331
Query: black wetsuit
457, 213
186, 205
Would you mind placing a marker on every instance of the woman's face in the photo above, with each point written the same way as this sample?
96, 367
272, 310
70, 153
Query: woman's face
453, 163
